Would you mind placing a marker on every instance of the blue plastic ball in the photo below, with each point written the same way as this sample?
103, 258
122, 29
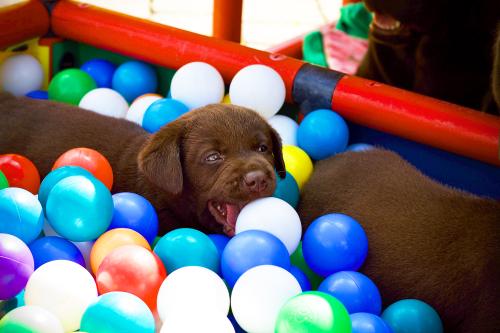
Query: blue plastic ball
50, 248
133, 79
55, 176
118, 311
359, 147
334, 243
79, 208
355, 290
38, 94
301, 277
249, 249
287, 190
363, 322
21, 214
220, 242
412, 316
101, 71
322, 133
134, 212
162, 112
187, 247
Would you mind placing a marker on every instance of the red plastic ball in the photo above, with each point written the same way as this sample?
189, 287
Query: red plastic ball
133, 269
89, 159
20, 172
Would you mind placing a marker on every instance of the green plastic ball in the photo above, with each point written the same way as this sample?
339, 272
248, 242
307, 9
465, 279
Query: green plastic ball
313, 312
70, 85
297, 259
4, 183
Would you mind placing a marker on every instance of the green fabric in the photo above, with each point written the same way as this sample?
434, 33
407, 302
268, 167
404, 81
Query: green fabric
312, 49
355, 20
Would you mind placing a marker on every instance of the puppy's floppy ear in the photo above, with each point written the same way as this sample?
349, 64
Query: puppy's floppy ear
160, 158
279, 163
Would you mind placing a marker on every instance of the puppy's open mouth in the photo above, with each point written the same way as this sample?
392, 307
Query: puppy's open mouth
226, 214
385, 22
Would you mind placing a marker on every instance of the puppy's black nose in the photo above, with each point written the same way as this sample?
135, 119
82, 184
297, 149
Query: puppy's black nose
255, 181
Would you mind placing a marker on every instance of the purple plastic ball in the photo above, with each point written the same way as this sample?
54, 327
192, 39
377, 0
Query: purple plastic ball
16, 265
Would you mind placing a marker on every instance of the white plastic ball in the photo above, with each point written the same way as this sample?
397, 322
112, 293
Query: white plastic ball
85, 248
274, 216
105, 101
197, 84
192, 291
258, 296
64, 288
205, 324
286, 128
139, 106
21, 74
31, 319
260, 88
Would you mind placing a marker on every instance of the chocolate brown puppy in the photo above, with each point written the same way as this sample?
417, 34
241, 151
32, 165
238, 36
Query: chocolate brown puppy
426, 240
197, 171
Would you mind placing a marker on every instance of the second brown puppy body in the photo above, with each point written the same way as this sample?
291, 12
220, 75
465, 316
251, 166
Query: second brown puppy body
426, 240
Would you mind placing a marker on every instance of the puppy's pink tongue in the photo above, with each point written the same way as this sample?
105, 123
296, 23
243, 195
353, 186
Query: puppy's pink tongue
232, 212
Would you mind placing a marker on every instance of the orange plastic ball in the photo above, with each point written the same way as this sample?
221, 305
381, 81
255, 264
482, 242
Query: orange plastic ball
132, 269
20, 172
111, 240
89, 159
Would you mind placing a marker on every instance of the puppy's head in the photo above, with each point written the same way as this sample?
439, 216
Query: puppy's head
219, 158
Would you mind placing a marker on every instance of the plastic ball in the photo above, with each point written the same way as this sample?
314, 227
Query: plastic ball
333, 243
359, 147
105, 101
226, 99
203, 323
20, 214
89, 159
313, 311
363, 322
133, 269
412, 316
260, 88
191, 292
64, 288
139, 106
4, 183
297, 259
187, 247
20, 172
20, 74
51, 248
197, 84
16, 265
162, 112
55, 176
355, 290
134, 212
118, 312
70, 85
133, 79
274, 216
220, 242
85, 248
79, 208
260, 293
249, 249
301, 277
287, 190
298, 164
101, 71
286, 128
27, 319
38, 94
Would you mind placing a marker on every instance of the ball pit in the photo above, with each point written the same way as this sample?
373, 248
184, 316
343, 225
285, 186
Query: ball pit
101, 71
105, 101
20, 172
162, 112
412, 316
16, 265
51, 248
20, 74
70, 85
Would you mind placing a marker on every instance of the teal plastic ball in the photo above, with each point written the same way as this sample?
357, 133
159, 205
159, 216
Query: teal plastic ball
412, 316
287, 190
79, 208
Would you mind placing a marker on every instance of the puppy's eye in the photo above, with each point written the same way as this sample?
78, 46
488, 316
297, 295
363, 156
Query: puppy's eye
262, 148
213, 157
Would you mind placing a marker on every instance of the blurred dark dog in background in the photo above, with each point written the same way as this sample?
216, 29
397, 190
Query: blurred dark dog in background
440, 48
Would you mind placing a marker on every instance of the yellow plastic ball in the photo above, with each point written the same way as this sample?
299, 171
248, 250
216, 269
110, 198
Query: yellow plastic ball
226, 99
298, 164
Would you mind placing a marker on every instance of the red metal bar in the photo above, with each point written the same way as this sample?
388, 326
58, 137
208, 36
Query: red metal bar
22, 21
291, 47
419, 118
227, 19
160, 44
